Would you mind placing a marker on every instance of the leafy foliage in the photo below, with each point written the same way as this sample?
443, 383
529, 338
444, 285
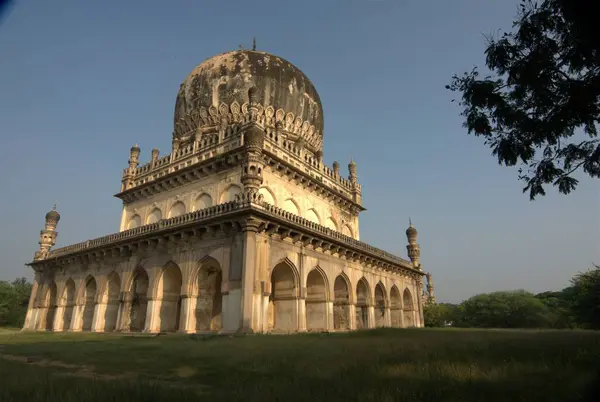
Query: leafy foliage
13, 302
515, 309
439, 315
586, 298
544, 91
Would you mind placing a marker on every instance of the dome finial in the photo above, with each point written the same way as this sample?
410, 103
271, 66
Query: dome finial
409, 222
254, 43
54, 206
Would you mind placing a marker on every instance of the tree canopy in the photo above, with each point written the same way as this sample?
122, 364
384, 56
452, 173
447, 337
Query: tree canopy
13, 302
540, 106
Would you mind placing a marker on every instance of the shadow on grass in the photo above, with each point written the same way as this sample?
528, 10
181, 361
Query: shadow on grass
379, 365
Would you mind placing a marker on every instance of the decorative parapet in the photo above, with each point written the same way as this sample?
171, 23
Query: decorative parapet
244, 204
212, 145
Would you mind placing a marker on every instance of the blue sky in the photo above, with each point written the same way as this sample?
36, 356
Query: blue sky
82, 81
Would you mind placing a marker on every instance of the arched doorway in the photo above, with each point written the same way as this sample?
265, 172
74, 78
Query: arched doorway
89, 303
395, 307
139, 302
209, 301
51, 302
408, 307
113, 288
69, 297
380, 305
169, 294
283, 301
341, 304
316, 300
363, 300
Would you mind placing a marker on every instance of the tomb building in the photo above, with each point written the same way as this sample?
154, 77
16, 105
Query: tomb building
241, 227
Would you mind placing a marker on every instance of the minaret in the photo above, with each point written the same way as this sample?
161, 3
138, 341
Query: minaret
414, 251
254, 138
134, 161
48, 235
430, 294
356, 191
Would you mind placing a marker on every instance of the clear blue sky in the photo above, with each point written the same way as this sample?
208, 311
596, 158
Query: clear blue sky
82, 81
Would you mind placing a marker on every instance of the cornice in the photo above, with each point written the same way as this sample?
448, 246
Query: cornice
244, 214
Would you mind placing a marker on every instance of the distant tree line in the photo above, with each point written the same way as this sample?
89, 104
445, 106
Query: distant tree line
14, 297
576, 306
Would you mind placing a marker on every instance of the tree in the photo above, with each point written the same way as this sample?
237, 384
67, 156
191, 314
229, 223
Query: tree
560, 306
516, 309
438, 315
586, 298
543, 93
14, 298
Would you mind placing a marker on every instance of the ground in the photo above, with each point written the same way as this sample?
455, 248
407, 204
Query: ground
377, 365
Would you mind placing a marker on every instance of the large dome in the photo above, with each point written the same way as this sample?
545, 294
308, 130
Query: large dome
219, 86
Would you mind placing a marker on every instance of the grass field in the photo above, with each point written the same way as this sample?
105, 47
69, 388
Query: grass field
379, 365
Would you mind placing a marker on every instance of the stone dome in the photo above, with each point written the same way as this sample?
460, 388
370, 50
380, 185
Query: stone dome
53, 216
220, 86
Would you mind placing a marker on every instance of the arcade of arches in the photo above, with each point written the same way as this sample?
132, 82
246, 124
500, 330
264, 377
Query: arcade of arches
169, 299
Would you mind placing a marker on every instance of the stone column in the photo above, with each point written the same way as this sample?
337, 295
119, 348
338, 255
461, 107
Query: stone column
388, 316
124, 317
249, 230
301, 309
352, 313
77, 319
329, 315
59, 317
152, 311
30, 317
187, 319
98, 321
421, 319
371, 310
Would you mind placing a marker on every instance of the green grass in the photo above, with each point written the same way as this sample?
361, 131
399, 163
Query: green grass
379, 365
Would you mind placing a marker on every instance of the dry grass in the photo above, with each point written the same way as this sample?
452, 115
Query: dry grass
379, 365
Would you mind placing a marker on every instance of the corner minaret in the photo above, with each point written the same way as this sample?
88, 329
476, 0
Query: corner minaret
48, 235
254, 137
414, 251
356, 191
129, 173
430, 294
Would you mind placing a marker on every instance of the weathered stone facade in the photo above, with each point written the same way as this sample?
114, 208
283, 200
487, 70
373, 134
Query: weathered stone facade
240, 228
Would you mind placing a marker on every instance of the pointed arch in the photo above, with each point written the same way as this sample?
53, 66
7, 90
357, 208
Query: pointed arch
177, 209
341, 302
395, 307
363, 302
268, 195
207, 282
290, 205
138, 289
407, 300
169, 293
89, 295
320, 288
380, 305
154, 216
203, 201
134, 222
313, 216
283, 306
68, 298
230, 193
112, 292
317, 295
331, 223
